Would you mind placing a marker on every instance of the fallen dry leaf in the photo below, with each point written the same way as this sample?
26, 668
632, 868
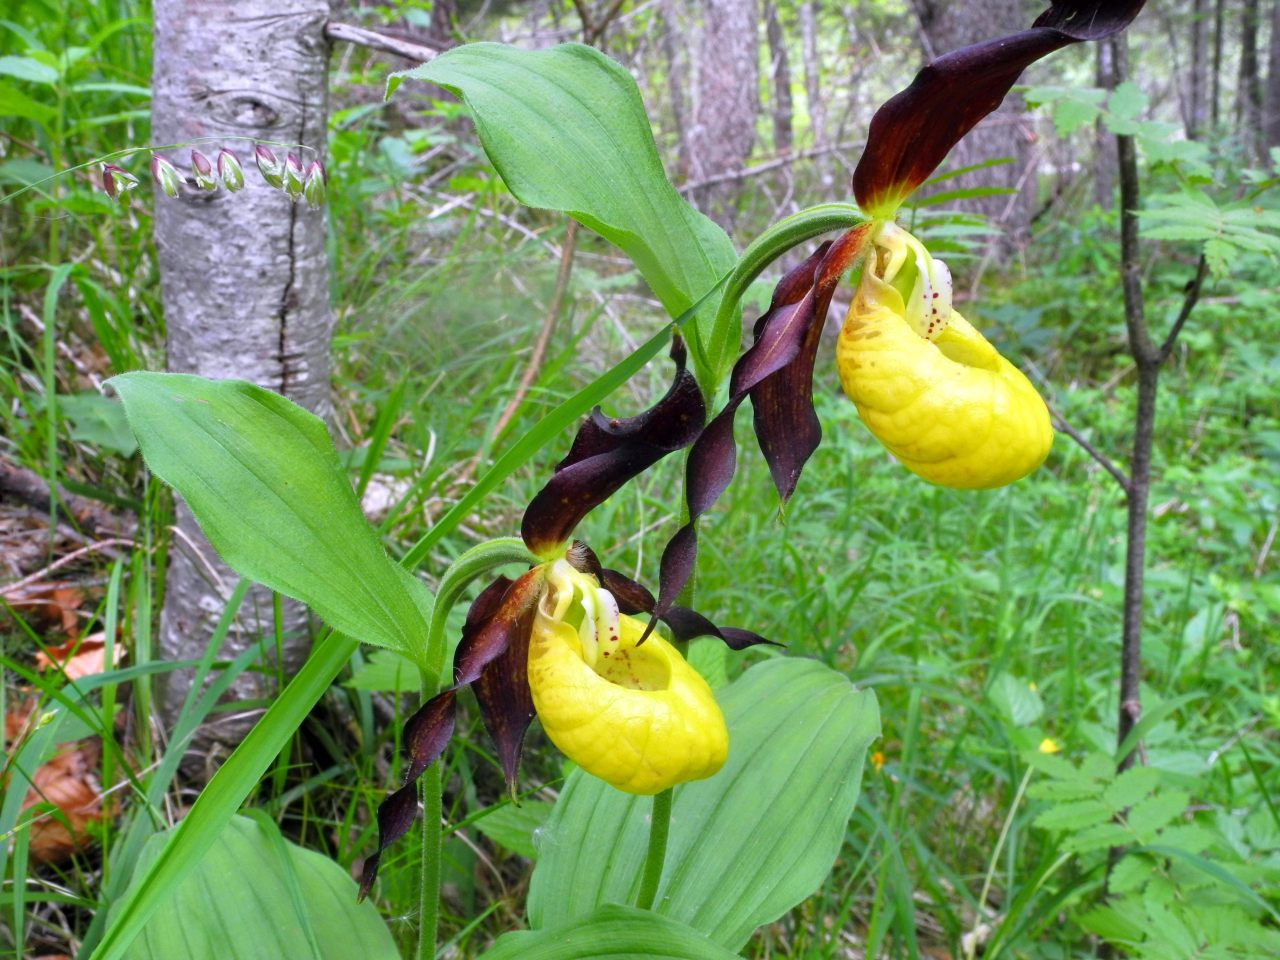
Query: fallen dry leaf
82, 659
69, 782
56, 604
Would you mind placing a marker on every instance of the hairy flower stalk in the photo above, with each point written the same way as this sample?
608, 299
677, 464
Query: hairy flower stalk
927, 384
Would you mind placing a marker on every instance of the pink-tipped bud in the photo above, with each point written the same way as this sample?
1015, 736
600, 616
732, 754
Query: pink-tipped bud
229, 171
293, 178
166, 175
202, 170
313, 187
269, 166
117, 181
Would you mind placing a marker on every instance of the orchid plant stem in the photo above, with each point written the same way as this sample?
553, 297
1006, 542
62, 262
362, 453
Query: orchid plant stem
432, 847
479, 560
659, 828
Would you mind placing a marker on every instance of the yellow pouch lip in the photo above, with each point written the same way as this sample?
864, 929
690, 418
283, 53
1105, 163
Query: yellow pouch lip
641, 741
952, 410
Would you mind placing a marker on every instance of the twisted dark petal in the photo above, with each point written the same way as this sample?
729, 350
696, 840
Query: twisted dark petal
914, 130
506, 702
607, 452
493, 627
786, 425
426, 734
632, 597
783, 335
485, 605
686, 625
395, 816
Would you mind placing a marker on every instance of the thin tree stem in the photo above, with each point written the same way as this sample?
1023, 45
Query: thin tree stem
659, 827
1147, 358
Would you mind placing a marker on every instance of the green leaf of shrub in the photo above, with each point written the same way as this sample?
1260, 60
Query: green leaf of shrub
257, 895
567, 130
1130, 787
1073, 816
746, 845
1016, 699
262, 477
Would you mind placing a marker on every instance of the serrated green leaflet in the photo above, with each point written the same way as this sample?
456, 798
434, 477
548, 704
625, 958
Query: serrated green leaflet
567, 130
746, 845
617, 932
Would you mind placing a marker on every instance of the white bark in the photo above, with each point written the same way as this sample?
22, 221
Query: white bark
724, 114
244, 276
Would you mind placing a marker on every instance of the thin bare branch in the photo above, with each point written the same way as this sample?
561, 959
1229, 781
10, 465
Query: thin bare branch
1189, 301
350, 33
1101, 458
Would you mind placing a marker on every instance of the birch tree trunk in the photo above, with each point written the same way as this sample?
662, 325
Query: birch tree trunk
1271, 119
808, 14
1005, 133
1249, 96
244, 277
1197, 92
724, 115
780, 69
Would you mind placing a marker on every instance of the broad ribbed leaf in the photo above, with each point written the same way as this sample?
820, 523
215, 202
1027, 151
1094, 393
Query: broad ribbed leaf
617, 932
746, 845
264, 481
253, 895
567, 130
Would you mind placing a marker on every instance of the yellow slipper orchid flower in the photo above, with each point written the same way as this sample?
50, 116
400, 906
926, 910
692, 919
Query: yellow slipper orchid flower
929, 385
636, 716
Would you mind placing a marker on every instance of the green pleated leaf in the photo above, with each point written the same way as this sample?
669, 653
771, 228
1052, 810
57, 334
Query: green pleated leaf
257, 895
746, 845
566, 129
262, 477
617, 932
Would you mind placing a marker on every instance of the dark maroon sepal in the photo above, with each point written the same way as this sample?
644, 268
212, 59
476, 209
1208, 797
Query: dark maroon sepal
506, 702
489, 637
785, 425
607, 452
914, 130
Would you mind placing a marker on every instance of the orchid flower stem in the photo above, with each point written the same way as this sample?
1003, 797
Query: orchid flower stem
659, 827
479, 560
432, 847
